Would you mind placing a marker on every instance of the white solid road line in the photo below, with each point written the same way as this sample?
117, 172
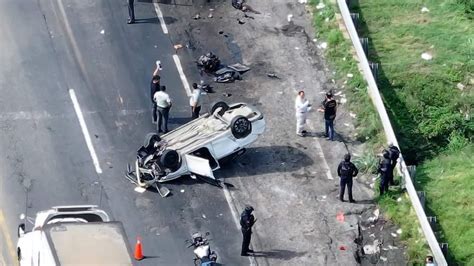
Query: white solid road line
85, 131
160, 17
321, 154
181, 75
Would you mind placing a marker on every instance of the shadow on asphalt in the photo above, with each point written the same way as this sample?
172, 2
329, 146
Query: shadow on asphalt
154, 20
279, 254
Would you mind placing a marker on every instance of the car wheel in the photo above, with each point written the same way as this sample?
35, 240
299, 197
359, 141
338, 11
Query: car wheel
241, 127
223, 105
170, 159
151, 138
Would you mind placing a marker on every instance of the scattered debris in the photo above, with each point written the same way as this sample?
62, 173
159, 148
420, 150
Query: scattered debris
156, 46
372, 235
460, 86
221, 32
383, 258
372, 249
289, 17
226, 94
102, 32
182, 191
203, 216
240, 21
392, 247
350, 75
178, 46
393, 234
340, 217
343, 100
342, 248
302, 1
140, 189
197, 16
426, 56
210, 15
297, 48
323, 45
424, 10
352, 115
315, 40
321, 5
399, 199
399, 231
273, 75
343, 59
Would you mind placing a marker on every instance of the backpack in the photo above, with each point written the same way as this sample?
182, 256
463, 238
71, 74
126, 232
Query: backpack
346, 169
394, 153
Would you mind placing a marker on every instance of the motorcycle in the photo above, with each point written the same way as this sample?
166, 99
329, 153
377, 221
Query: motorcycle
202, 251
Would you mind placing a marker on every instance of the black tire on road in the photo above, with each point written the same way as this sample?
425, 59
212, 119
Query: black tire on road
170, 159
240, 126
220, 104
151, 138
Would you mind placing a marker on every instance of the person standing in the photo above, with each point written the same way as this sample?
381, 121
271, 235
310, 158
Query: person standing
394, 155
346, 171
163, 105
302, 108
131, 12
329, 107
195, 101
385, 167
247, 220
154, 87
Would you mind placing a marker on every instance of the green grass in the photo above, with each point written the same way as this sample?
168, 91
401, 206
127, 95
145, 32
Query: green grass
368, 126
448, 181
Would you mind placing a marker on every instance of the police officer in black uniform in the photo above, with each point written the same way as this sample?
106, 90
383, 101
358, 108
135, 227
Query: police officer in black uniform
385, 168
346, 171
247, 220
394, 155
155, 85
329, 108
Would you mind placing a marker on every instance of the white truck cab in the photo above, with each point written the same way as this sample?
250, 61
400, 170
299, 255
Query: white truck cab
73, 235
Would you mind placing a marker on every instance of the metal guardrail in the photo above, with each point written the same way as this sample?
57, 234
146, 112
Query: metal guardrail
390, 134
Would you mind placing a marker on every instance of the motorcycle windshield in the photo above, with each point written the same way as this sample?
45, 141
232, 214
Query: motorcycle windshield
199, 166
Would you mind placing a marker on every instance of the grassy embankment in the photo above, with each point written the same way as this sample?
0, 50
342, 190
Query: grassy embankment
429, 102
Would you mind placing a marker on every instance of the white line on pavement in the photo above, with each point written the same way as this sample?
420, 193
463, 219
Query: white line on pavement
85, 131
181, 75
321, 154
160, 17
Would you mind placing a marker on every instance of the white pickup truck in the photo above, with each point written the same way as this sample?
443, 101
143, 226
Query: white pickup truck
73, 235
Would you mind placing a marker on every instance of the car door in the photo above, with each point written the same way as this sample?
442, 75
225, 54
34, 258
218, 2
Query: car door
199, 166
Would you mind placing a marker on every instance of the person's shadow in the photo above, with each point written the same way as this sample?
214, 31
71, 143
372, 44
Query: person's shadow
279, 254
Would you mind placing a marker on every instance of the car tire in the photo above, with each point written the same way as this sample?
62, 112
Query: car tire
240, 126
170, 159
220, 104
151, 138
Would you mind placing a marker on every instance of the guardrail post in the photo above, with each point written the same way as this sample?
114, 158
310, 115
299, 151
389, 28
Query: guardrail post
365, 45
444, 248
355, 19
352, 3
421, 196
375, 69
412, 172
432, 220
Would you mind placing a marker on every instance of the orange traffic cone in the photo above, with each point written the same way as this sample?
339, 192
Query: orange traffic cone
138, 250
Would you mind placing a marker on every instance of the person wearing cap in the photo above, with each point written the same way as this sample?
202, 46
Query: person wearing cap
329, 107
131, 12
247, 220
385, 167
302, 107
155, 87
195, 101
346, 171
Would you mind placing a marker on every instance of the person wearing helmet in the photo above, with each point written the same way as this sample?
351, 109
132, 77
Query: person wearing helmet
247, 220
346, 171
385, 168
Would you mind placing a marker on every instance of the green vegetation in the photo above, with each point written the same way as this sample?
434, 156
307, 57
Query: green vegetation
448, 182
368, 126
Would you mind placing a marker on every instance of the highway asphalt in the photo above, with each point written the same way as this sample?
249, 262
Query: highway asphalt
49, 47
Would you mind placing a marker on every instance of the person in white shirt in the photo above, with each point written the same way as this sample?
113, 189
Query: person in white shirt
163, 104
302, 108
195, 101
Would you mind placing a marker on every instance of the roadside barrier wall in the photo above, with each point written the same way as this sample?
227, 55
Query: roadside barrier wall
390, 134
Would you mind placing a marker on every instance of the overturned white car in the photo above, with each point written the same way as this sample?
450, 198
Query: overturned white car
198, 147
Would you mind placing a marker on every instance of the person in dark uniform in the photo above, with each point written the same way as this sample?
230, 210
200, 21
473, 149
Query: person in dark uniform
346, 171
247, 220
394, 155
329, 107
385, 168
131, 12
155, 87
